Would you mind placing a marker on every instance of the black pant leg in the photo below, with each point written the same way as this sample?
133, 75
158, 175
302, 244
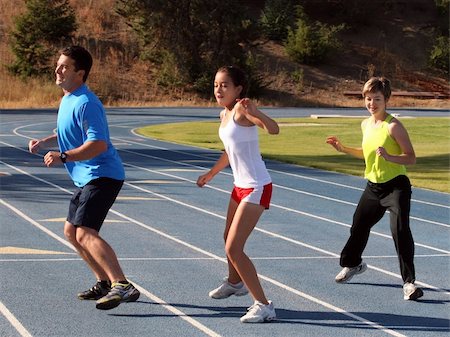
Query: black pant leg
398, 201
368, 212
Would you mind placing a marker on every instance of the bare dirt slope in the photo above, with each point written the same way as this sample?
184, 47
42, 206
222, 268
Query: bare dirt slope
383, 37
393, 41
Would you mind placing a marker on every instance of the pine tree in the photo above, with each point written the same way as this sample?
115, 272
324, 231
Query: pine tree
188, 39
39, 32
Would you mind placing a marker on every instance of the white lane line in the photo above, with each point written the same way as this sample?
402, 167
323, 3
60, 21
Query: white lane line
334, 308
151, 296
271, 170
16, 131
268, 279
276, 185
119, 258
36, 224
225, 173
274, 206
356, 188
14, 322
177, 259
223, 191
296, 242
223, 260
178, 312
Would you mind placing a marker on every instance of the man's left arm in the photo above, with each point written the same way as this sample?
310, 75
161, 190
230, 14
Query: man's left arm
88, 150
94, 127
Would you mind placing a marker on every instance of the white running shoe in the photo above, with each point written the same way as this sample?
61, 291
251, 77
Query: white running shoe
411, 292
259, 313
227, 289
347, 273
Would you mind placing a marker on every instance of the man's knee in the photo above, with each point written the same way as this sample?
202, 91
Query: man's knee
70, 232
85, 235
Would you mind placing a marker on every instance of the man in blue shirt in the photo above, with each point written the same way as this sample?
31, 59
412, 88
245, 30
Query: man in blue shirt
95, 168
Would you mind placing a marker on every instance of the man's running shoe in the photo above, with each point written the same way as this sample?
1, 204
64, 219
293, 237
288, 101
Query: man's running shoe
259, 313
411, 292
97, 291
227, 289
347, 273
119, 293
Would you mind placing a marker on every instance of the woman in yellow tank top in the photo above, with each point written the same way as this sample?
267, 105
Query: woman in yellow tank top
386, 149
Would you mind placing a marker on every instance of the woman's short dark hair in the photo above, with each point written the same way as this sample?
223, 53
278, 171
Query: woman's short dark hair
381, 84
82, 58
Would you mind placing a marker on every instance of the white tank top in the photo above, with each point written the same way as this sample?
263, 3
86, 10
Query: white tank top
242, 147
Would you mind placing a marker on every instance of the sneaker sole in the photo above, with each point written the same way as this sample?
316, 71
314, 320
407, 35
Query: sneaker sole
363, 269
115, 303
108, 305
265, 320
89, 298
418, 293
223, 297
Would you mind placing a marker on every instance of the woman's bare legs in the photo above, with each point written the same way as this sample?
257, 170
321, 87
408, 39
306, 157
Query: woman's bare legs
241, 220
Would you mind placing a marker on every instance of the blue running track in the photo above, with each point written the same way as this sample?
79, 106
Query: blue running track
167, 234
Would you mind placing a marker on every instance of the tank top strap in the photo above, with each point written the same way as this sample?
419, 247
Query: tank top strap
389, 118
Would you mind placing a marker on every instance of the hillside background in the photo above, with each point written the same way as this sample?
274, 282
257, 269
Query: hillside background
391, 38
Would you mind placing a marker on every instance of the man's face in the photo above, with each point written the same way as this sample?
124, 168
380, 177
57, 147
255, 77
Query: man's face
67, 77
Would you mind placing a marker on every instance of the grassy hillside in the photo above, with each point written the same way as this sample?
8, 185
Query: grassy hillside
393, 40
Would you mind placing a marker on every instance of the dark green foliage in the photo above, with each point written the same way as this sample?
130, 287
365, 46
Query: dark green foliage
443, 7
439, 55
38, 34
311, 42
189, 40
276, 17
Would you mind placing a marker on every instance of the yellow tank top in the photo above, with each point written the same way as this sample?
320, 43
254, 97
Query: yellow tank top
379, 170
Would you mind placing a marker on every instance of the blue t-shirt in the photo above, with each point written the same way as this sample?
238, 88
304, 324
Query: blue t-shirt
81, 118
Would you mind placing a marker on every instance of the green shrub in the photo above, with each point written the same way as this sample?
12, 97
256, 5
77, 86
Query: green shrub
439, 55
168, 74
275, 19
311, 43
298, 77
443, 6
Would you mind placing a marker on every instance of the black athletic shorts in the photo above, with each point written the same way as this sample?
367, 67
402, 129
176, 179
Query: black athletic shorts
91, 203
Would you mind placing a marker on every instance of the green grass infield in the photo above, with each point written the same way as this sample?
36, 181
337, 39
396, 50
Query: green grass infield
301, 141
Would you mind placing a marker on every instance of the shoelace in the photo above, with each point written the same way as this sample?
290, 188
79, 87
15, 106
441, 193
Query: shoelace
117, 290
254, 307
95, 288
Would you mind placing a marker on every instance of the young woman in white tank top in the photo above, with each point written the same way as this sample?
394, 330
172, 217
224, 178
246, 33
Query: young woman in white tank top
252, 191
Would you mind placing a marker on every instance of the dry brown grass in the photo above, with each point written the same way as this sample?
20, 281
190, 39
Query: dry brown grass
32, 93
121, 79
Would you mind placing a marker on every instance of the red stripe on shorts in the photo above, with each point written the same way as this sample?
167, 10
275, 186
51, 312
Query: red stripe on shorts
239, 193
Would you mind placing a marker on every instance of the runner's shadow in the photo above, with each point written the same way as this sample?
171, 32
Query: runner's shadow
398, 286
315, 318
393, 321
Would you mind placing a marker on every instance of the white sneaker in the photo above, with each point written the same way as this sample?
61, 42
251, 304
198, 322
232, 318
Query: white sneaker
227, 289
411, 292
347, 273
259, 313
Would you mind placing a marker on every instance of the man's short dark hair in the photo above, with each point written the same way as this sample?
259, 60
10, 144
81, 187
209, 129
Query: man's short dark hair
82, 58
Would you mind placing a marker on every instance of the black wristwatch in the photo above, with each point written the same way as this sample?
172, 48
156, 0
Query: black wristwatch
63, 157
